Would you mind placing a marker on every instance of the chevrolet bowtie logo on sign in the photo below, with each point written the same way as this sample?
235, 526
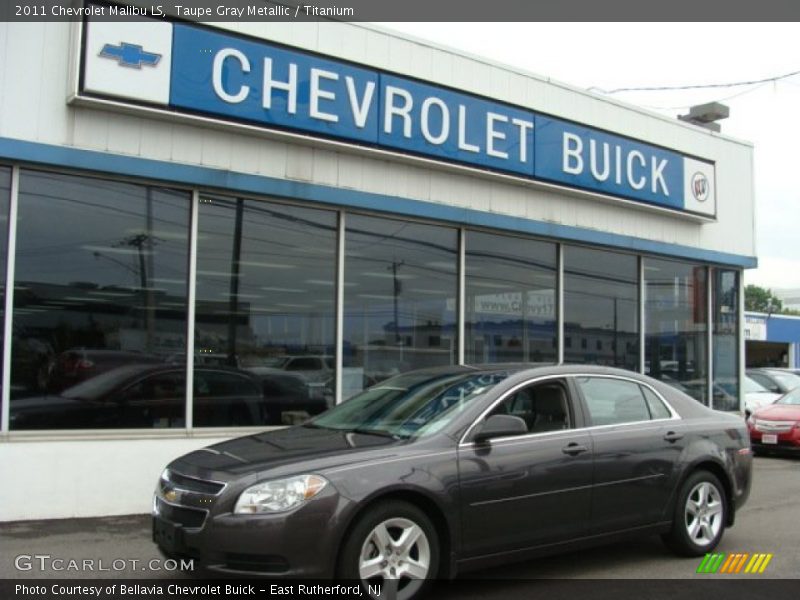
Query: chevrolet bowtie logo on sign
130, 55
734, 563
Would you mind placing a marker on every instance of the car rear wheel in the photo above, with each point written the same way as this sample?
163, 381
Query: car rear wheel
393, 548
700, 515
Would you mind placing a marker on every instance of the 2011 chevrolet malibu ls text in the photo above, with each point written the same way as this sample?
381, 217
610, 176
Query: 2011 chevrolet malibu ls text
441, 470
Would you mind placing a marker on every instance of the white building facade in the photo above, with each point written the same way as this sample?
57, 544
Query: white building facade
293, 212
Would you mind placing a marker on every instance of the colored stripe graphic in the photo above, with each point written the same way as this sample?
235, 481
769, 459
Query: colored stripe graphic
704, 564
733, 563
741, 562
732, 558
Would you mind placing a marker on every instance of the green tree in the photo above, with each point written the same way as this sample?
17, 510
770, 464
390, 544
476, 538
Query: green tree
760, 299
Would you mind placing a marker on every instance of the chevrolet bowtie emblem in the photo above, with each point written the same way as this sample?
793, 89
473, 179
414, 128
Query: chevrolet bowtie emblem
130, 55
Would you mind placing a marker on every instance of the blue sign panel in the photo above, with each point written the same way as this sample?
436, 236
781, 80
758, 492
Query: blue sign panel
253, 81
437, 122
594, 160
263, 84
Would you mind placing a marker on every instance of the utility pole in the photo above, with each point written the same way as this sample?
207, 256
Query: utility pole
397, 288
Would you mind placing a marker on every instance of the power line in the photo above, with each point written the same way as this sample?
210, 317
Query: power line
724, 99
694, 87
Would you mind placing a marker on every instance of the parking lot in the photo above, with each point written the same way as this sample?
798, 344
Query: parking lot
767, 524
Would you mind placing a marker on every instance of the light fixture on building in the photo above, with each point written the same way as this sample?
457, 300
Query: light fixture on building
706, 115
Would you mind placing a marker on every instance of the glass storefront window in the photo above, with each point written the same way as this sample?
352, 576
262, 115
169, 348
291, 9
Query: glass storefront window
5, 190
99, 303
601, 299
265, 310
400, 299
726, 341
510, 299
676, 325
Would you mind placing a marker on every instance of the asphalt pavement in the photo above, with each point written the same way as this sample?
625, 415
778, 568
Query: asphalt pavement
768, 523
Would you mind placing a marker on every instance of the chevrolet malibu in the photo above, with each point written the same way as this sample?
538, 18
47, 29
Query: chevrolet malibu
443, 470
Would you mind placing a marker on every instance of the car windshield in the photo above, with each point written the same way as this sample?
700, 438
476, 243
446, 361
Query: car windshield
410, 405
792, 397
276, 362
789, 380
751, 386
100, 385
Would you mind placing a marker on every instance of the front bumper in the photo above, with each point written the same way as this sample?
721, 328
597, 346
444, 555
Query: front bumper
778, 441
300, 543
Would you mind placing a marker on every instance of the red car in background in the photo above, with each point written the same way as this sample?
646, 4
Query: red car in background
776, 426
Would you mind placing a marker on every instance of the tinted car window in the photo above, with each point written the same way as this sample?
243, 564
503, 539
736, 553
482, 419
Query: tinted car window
613, 401
165, 386
789, 380
764, 381
304, 364
274, 386
543, 407
792, 397
218, 383
657, 408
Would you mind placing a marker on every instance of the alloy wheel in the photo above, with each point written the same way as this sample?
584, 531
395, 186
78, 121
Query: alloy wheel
396, 555
703, 513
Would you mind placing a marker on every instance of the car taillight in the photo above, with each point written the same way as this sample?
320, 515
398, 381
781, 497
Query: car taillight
84, 364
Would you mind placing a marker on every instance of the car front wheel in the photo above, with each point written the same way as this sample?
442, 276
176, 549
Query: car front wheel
393, 550
700, 515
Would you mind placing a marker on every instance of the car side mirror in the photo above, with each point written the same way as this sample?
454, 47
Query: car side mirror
501, 426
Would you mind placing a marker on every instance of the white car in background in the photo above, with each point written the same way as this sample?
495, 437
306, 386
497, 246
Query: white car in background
756, 396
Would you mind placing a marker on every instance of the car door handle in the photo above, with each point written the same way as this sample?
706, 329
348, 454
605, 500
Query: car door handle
672, 436
573, 449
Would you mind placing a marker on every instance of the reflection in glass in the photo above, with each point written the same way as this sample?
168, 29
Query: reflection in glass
266, 276
400, 299
726, 342
676, 325
510, 308
100, 283
601, 299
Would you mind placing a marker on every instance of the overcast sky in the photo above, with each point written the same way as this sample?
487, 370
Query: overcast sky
610, 55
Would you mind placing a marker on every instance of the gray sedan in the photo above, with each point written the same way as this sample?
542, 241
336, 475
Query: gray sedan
443, 470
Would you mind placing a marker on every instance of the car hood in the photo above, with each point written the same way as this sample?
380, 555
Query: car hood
779, 412
291, 446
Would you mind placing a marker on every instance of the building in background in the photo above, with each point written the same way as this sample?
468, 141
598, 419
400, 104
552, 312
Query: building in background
309, 208
772, 340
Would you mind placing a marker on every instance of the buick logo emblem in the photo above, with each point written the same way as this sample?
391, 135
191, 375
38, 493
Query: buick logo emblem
700, 187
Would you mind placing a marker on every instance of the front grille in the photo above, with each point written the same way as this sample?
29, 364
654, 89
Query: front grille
256, 563
773, 426
191, 484
187, 517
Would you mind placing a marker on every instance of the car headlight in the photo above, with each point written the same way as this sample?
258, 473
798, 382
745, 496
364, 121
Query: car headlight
279, 495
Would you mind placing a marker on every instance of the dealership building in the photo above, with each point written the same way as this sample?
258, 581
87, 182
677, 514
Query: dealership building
228, 200
772, 340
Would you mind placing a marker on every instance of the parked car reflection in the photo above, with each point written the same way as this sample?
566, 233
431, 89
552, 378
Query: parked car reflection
289, 398
79, 364
146, 396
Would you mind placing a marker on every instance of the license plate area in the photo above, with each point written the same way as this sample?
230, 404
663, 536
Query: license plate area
167, 535
769, 438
